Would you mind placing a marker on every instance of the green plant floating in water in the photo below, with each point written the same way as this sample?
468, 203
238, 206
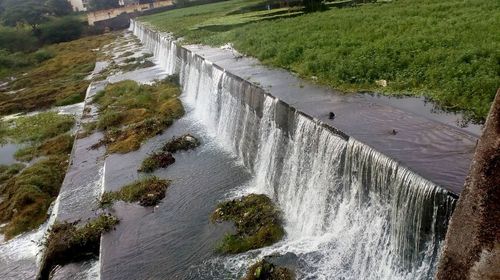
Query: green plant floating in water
264, 270
148, 192
155, 161
257, 220
182, 143
68, 242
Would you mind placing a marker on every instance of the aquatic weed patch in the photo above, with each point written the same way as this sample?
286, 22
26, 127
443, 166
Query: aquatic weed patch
257, 220
68, 242
148, 192
181, 143
156, 160
131, 113
265, 270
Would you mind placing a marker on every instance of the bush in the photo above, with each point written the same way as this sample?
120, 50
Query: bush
42, 55
15, 40
61, 30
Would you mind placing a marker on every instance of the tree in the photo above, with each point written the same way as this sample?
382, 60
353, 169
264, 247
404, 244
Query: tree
95, 5
59, 7
31, 12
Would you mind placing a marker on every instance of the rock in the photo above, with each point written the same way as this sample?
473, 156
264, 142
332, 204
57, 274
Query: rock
382, 83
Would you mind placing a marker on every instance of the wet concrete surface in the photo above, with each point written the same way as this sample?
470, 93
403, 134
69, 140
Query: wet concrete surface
429, 142
151, 243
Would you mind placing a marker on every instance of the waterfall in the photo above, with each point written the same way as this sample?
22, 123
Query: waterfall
349, 211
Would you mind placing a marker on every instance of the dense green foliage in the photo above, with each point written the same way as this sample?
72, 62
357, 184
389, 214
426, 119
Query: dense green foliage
257, 221
148, 192
448, 51
131, 113
67, 242
61, 30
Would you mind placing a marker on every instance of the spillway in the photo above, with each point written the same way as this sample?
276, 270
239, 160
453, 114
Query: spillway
350, 211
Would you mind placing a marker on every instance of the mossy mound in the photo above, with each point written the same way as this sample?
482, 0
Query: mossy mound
155, 161
257, 220
148, 192
264, 270
59, 145
28, 195
67, 242
182, 143
131, 113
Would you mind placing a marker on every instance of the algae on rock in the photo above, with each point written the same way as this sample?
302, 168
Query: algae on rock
257, 220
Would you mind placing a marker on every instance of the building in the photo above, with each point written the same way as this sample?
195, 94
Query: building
79, 5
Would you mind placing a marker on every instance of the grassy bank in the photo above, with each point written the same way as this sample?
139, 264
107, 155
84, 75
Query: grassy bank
58, 79
448, 51
131, 113
28, 192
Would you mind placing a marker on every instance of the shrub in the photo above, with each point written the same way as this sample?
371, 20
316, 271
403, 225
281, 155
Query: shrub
61, 30
17, 40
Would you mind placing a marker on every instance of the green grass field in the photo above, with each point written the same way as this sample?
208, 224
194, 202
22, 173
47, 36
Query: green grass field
448, 51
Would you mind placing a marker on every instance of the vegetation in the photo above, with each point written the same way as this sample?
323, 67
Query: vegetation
264, 270
95, 5
9, 171
257, 221
447, 50
57, 81
37, 128
131, 113
182, 143
28, 192
45, 133
28, 195
67, 242
155, 161
148, 192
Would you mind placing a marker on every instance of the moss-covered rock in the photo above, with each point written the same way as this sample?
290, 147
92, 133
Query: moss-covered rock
182, 143
257, 220
264, 270
68, 242
148, 192
155, 161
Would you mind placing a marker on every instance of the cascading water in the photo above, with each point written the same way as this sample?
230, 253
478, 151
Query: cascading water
349, 211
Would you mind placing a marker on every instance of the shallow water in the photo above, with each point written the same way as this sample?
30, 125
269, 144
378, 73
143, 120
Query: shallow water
175, 236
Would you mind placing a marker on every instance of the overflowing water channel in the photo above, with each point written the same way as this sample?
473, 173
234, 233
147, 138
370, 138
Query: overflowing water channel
350, 211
